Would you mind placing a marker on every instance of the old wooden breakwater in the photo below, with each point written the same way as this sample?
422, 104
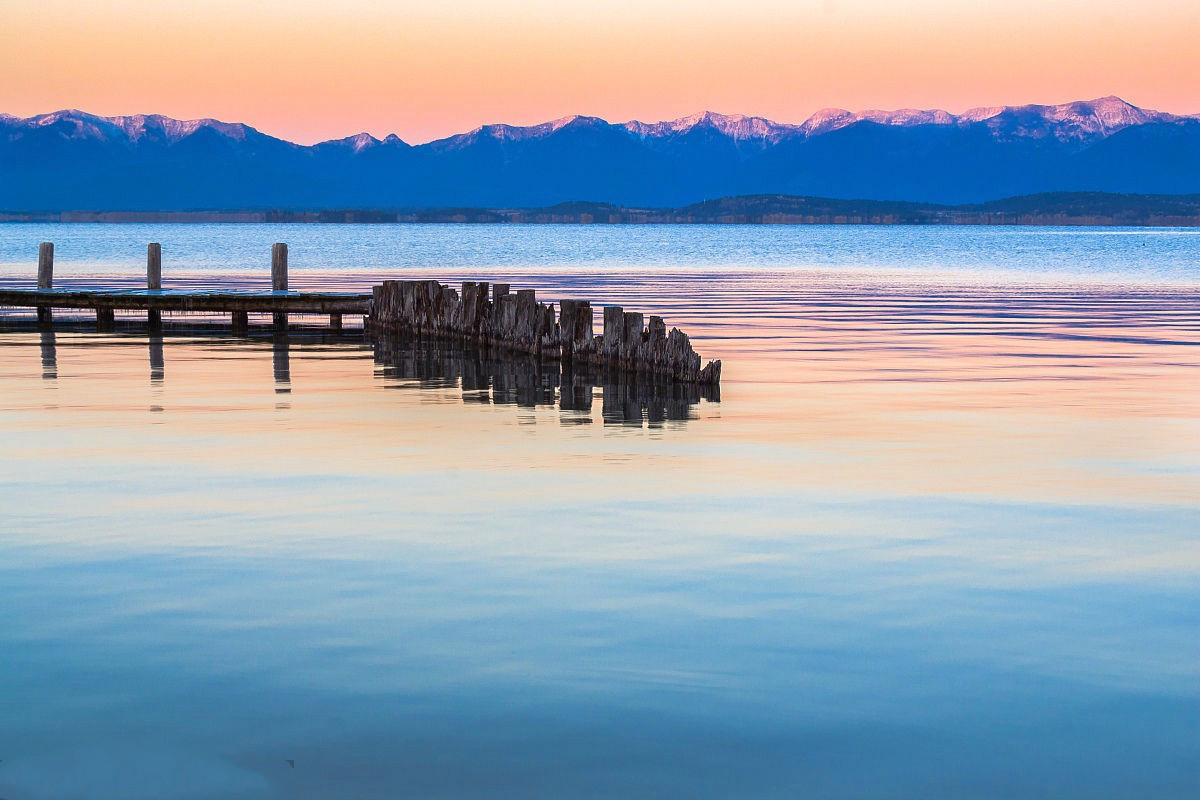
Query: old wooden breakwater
503, 319
517, 321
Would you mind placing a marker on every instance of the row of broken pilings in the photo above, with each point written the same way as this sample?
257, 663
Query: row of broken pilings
498, 376
517, 321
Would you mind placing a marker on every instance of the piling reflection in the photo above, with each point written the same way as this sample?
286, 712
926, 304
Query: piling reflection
49, 354
504, 378
483, 376
156, 358
281, 361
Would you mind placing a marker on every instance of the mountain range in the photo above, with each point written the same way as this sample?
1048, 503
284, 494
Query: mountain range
71, 160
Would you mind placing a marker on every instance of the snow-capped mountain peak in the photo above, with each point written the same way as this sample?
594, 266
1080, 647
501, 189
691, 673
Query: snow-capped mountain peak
1068, 122
356, 143
738, 127
132, 128
1075, 124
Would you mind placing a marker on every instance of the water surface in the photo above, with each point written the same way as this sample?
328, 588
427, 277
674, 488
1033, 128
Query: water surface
938, 537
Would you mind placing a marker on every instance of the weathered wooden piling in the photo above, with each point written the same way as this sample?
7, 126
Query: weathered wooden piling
518, 322
279, 278
279, 267
154, 280
154, 266
105, 319
240, 321
45, 277
46, 265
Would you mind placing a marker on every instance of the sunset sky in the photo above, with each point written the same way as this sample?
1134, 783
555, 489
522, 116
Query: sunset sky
308, 71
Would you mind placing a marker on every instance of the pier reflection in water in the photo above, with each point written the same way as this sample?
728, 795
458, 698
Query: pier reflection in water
49, 355
281, 362
157, 370
495, 376
504, 378
930, 527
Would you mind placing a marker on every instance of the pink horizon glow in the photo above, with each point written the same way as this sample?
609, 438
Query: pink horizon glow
307, 71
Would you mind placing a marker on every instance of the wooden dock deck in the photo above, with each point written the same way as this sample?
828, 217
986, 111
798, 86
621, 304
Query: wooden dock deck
514, 321
154, 300
182, 300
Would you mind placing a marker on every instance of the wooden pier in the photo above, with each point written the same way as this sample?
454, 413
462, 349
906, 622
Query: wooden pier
238, 303
481, 315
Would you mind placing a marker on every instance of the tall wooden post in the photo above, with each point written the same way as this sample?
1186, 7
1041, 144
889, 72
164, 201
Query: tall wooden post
154, 280
45, 278
279, 278
46, 265
154, 266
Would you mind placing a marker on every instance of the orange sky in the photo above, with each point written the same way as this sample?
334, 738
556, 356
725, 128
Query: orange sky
307, 70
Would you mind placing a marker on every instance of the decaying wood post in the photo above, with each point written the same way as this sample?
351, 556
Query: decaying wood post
279, 278
614, 327
279, 267
154, 280
631, 337
105, 319
154, 266
45, 278
46, 265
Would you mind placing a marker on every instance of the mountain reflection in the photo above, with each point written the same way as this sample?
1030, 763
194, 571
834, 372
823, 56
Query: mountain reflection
505, 378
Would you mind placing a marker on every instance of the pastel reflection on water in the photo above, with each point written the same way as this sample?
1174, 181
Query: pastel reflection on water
937, 539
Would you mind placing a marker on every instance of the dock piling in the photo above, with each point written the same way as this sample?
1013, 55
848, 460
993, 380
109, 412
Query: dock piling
46, 265
279, 269
279, 278
105, 319
154, 279
154, 266
241, 322
45, 278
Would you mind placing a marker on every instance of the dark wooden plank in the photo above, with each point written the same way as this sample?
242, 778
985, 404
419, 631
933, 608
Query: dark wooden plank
190, 300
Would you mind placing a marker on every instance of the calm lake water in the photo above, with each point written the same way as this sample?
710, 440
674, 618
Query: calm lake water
939, 537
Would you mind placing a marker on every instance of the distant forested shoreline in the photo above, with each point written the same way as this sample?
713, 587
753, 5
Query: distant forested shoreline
1061, 208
